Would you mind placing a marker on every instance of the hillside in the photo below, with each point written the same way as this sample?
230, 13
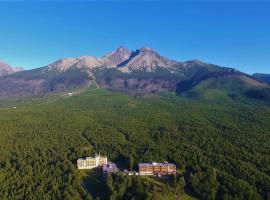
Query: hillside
40, 82
224, 84
222, 147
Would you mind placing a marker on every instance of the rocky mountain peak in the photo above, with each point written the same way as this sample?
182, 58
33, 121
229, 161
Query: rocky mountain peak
116, 57
146, 59
87, 62
61, 64
122, 49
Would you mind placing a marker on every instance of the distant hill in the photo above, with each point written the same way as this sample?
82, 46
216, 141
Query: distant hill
262, 77
221, 84
6, 69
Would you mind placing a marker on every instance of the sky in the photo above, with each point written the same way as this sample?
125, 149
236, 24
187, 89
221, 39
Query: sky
232, 34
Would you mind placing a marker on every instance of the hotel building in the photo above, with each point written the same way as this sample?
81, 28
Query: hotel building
159, 169
91, 162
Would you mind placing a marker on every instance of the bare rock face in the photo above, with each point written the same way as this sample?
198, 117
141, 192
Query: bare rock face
146, 59
62, 64
84, 62
115, 58
6, 69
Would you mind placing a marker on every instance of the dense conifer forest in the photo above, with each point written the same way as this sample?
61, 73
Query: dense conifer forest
221, 147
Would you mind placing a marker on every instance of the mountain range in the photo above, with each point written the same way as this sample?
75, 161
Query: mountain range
143, 70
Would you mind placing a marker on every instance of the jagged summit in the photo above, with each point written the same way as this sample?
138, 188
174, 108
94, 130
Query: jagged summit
116, 57
146, 59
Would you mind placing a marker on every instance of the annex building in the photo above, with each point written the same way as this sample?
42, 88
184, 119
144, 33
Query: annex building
158, 169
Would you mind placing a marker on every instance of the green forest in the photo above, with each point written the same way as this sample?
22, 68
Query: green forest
221, 147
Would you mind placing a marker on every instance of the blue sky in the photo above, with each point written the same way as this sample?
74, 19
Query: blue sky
33, 34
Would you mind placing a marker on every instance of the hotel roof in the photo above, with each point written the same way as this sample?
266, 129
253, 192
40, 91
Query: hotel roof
96, 156
155, 164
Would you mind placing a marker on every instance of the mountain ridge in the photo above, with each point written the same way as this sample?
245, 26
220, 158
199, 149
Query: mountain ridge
143, 70
146, 59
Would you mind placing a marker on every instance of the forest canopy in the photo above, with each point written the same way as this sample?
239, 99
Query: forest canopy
221, 148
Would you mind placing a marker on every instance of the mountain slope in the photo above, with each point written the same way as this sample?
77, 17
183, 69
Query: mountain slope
154, 79
59, 76
148, 71
41, 81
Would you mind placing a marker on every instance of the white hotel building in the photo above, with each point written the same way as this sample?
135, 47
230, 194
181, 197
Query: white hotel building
91, 162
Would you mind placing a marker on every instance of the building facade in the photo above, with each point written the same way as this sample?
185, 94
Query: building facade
91, 162
159, 169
